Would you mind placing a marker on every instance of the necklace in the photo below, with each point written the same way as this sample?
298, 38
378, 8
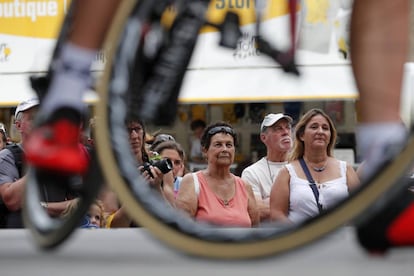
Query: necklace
225, 201
320, 169
272, 176
270, 171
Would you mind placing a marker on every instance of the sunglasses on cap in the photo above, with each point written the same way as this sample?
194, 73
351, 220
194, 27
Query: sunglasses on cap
160, 138
3, 129
164, 137
221, 129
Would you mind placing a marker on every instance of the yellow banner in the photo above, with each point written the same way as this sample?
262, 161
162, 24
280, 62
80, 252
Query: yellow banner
42, 18
245, 9
32, 18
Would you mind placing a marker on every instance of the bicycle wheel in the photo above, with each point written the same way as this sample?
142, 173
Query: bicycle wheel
48, 231
170, 226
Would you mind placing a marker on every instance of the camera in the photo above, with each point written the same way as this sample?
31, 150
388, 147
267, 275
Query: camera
165, 165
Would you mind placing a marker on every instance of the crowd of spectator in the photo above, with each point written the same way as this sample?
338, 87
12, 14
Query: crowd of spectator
274, 188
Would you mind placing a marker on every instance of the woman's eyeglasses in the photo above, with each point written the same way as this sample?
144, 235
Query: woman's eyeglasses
136, 129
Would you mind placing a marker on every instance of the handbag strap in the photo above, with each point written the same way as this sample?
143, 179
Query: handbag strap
311, 183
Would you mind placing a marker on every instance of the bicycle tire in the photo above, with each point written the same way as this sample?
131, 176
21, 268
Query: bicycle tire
173, 229
49, 232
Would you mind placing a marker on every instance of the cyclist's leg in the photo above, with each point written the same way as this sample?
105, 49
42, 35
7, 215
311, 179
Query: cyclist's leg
61, 109
90, 22
379, 48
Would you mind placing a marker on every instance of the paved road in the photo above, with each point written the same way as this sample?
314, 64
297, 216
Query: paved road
134, 252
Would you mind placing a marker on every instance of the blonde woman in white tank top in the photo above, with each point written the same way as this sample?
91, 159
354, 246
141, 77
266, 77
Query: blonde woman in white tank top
291, 198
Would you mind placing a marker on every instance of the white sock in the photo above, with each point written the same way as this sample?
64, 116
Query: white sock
378, 142
68, 85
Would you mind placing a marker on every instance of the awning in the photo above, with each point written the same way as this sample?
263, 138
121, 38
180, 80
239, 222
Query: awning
15, 88
231, 85
268, 85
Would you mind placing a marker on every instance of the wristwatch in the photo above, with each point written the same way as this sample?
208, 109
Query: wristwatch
43, 204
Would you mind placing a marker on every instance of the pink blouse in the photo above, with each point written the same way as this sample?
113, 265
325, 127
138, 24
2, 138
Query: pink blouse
212, 209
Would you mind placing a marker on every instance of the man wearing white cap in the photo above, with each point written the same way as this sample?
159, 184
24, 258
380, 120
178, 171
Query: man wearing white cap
12, 177
276, 134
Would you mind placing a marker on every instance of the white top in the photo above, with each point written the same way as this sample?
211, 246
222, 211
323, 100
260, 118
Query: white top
302, 203
261, 175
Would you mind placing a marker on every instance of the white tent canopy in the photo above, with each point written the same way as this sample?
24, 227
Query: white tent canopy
231, 85
15, 88
268, 85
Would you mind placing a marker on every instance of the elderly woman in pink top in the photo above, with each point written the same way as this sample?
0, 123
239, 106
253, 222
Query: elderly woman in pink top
215, 195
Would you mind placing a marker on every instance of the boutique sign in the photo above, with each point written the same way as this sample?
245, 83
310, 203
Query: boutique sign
39, 19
